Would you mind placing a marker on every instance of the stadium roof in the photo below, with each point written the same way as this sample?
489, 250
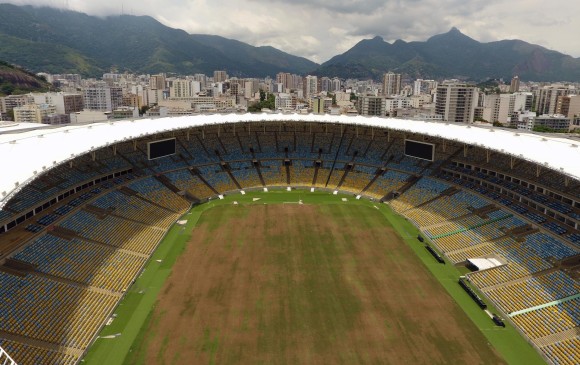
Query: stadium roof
26, 154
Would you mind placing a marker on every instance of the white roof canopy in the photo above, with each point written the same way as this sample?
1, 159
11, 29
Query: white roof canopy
25, 155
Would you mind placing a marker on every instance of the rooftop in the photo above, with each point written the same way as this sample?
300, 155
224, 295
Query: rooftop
26, 153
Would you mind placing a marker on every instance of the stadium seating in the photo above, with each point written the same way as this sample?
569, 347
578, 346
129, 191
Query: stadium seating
84, 262
245, 174
534, 291
466, 211
389, 181
303, 173
549, 320
52, 311
564, 352
192, 184
33, 355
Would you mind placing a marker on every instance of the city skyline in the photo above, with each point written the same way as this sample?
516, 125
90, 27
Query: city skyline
320, 30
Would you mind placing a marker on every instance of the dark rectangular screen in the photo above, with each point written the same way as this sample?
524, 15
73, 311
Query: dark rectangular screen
161, 148
424, 151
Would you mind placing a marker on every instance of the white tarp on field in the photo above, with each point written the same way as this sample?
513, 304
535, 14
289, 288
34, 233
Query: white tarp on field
483, 263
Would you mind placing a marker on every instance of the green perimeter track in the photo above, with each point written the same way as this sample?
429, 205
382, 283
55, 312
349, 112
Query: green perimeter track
133, 312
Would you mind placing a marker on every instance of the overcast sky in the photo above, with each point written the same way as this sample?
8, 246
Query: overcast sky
320, 29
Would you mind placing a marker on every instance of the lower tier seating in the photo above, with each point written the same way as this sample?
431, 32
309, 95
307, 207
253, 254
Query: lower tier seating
565, 352
33, 355
52, 311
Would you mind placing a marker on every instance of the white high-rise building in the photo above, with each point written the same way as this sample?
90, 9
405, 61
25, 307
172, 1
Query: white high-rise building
310, 86
456, 102
102, 97
182, 88
335, 84
500, 107
422, 87
202, 79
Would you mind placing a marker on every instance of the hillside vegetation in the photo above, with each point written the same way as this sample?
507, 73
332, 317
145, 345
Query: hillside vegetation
15, 80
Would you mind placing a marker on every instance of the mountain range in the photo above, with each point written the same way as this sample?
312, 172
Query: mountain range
58, 41
453, 55
62, 41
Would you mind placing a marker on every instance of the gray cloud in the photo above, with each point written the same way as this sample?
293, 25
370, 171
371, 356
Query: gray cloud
320, 29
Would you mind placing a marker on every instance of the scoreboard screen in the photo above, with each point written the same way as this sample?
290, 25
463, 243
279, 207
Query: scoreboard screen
161, 148
422, 150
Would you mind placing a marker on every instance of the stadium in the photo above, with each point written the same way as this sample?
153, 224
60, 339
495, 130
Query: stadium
88, 209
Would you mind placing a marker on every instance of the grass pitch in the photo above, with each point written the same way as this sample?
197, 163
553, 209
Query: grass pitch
329, 283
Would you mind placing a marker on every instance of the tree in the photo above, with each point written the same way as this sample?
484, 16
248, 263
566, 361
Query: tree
543, 129
333, 96
144, 109
7, 89
266, 102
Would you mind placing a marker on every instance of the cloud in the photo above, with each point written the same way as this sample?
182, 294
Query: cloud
321, 29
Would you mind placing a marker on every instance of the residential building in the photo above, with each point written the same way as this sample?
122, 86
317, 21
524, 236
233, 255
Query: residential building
182, 88
496, 108
285, 79
394, 103
575, 123
325, 84
456, 102
556, 122
133, 100
157, 82
55, 119
320, 104
521, 101
202, 103
33, 113
391, 84
335, 84
102, 97
371, 105
568, 105
310, 86
522, 120
202, 79
65, 103
422, 87
515, 84
547, 97
220, 76
125, 112
419, 101
285, 101
8, 103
